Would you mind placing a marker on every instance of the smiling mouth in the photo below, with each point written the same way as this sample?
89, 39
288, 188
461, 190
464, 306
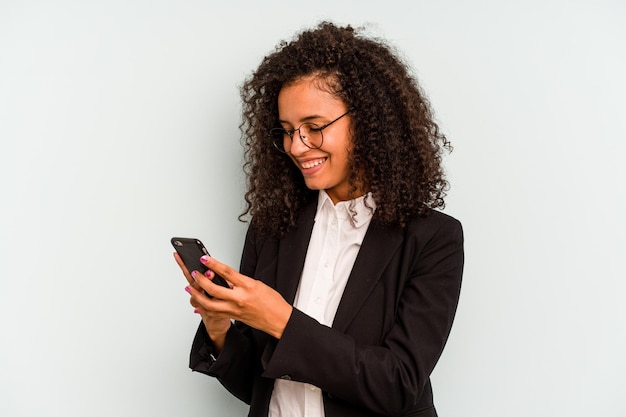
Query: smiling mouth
312, 164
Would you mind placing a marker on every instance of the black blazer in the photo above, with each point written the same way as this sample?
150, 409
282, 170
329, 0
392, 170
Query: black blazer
389, 331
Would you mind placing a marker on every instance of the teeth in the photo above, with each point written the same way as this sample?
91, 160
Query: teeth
311, 164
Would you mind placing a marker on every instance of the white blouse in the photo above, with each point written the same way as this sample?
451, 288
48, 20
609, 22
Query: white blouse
335, 242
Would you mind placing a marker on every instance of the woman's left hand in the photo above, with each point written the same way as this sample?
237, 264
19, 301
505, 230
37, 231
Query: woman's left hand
248, 300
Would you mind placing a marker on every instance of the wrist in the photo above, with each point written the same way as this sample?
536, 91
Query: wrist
217, 335
280, 323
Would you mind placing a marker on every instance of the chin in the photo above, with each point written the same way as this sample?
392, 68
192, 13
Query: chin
314, 186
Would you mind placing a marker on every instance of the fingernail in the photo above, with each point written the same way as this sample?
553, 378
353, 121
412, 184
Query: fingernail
196, 311
188, 290
208, 273
193, 274
204, 259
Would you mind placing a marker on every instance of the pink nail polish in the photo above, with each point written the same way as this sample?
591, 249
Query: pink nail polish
208, 273
204, 259
196, 311
193, 274
188, 290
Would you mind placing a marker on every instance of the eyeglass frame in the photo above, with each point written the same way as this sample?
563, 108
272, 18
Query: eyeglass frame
291, 133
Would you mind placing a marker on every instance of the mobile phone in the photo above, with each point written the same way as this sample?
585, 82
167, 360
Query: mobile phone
190, 251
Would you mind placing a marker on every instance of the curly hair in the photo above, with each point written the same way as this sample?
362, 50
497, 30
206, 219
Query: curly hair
396, 145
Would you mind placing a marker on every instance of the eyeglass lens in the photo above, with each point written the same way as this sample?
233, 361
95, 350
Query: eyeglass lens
309, 133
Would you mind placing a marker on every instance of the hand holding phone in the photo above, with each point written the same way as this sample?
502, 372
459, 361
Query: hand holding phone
190, 251
264, 309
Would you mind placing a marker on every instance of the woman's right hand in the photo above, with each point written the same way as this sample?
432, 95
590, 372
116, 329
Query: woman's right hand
215, 327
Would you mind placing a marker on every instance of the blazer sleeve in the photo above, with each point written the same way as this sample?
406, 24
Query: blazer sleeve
235, 366
387, 378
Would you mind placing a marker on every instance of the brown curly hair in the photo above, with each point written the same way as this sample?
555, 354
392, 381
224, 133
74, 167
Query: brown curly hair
397, 146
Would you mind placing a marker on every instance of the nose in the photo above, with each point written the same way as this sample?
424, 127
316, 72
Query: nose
297, 143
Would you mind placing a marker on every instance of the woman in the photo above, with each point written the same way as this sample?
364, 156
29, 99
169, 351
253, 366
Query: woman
349, 278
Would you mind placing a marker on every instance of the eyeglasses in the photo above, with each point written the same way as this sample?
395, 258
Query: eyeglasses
310, 134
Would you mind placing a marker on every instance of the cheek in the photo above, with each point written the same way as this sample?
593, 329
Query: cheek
344, 159
293, 160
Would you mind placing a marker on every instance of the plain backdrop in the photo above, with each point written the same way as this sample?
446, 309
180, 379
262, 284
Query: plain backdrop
119, 129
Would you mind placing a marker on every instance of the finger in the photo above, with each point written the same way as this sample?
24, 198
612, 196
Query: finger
182, 266
186, 272
214, 290
197, 297
228, 273
194, 303
199, 309
209, 307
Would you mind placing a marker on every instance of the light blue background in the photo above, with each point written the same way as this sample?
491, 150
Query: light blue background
119, 129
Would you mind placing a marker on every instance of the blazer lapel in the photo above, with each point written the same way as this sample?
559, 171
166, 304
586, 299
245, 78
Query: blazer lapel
379, 245
292, 253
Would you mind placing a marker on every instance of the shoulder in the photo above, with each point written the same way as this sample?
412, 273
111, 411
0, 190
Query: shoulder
434, 222
436, 230
435, 243
430, 232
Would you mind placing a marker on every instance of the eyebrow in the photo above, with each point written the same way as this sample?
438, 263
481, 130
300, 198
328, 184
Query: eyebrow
306, 119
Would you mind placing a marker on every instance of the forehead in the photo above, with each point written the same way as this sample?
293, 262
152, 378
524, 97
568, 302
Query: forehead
306, 97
